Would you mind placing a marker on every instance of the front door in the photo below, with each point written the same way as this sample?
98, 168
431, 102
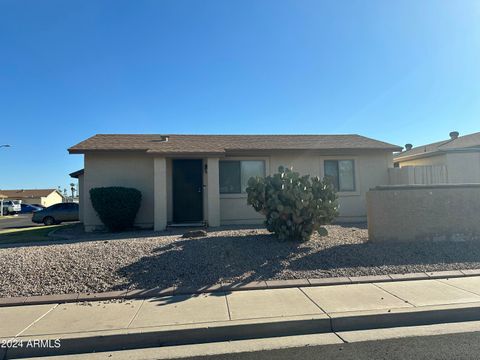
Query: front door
187, 190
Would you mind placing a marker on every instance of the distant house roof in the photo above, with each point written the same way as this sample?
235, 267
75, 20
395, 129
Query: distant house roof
77, 173
2, 196
27, 194
220, 144
469, 142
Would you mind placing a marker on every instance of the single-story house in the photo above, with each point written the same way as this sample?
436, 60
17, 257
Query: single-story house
202, 178
459, 155
45, 197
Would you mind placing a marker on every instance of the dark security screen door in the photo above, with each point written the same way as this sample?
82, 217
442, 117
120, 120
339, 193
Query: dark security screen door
187, 191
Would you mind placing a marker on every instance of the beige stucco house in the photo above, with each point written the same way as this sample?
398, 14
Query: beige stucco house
457, 158
202, 178
45, 197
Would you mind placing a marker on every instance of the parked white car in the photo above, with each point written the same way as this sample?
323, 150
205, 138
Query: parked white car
11, 207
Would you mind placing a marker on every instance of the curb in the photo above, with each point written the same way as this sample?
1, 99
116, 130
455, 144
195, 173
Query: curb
52, 234
229, 287
248, 329
148, 337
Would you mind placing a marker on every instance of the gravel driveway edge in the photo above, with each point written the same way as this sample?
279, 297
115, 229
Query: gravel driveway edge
229, 287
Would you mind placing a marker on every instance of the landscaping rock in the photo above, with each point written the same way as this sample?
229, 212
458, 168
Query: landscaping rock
145, 260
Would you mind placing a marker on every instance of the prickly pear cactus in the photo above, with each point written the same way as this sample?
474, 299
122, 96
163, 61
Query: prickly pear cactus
294, 206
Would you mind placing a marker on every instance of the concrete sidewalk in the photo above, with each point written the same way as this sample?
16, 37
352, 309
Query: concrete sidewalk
184, 319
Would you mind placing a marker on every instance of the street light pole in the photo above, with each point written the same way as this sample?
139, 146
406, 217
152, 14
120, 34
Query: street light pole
1, 200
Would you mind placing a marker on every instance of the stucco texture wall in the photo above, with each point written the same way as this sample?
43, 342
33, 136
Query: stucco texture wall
462, 166
51, 199
137, 170
431, 160
424, 212
119, 169
371, 169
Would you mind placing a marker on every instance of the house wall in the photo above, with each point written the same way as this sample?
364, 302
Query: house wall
424, 212
371, 169
137, 170
37, 200
461, 167
431, 160
119, 169
51, 199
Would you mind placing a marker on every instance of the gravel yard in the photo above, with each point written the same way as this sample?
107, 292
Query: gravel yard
149, 260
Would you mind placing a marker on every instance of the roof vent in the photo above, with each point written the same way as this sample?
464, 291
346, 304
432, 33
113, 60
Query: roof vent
163, 138
408, 147
454, 135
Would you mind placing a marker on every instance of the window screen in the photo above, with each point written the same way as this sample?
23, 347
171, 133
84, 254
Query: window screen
229, 177
234, 175
341, 173
251, 169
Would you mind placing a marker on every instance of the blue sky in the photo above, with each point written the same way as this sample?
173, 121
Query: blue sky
398, 71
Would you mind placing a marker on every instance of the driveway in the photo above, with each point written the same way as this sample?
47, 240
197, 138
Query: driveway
17, 222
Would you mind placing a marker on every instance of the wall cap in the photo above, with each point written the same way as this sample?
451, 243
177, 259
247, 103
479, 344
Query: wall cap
425, 187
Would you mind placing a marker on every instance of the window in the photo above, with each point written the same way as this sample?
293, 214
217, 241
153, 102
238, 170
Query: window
57, 206
341, 173
230, 182
234, 175
70, 206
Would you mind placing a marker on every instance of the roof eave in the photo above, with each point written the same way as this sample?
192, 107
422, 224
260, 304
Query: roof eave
85, 151
186, 153
222, 152
418, 156
434, 153
77, 173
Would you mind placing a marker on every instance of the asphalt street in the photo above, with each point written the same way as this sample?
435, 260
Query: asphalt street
15, 222
440, 347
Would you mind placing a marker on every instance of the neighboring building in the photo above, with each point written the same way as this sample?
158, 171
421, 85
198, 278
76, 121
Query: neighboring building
45, 197
196, 178
452, 161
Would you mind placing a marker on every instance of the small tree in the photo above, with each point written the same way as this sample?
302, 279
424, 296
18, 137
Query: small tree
116, 206
295, 206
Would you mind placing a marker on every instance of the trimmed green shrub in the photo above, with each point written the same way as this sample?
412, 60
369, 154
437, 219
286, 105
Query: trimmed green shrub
294, 206
116, 206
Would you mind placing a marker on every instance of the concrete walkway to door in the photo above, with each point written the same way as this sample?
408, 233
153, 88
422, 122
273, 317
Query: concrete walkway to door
218, 316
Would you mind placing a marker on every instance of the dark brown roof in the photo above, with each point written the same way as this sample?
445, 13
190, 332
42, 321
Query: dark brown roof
27, 194
77, 173
218, 144
466, 142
